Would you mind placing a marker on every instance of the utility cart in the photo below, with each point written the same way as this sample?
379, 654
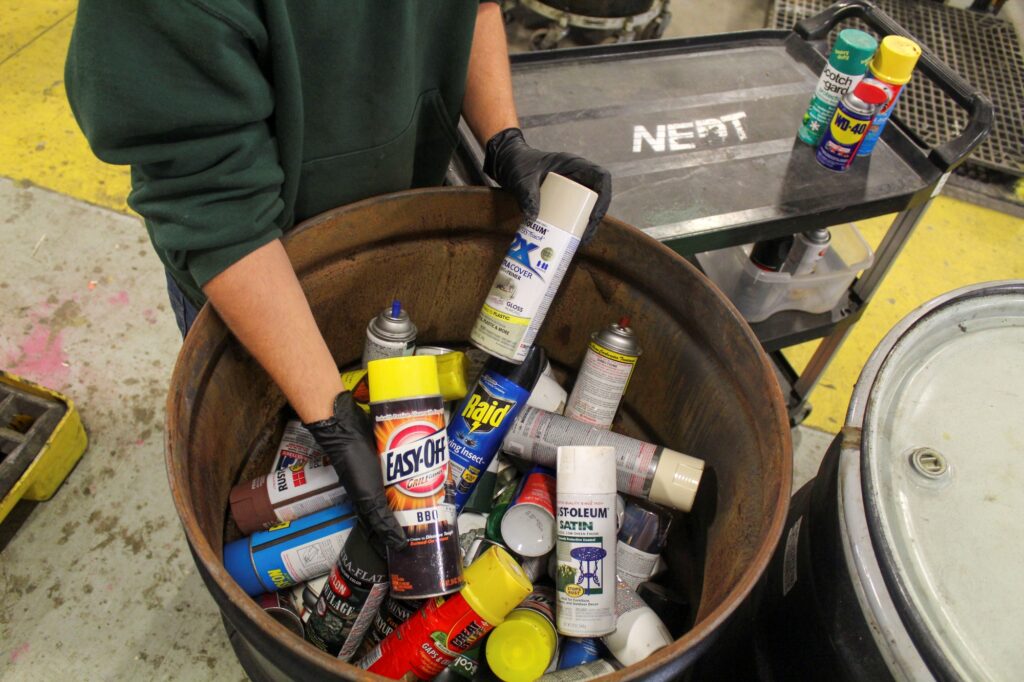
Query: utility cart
700, 137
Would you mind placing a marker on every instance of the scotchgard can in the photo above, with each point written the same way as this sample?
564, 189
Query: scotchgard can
604, 375
849, 125
390, 334
893, 65
408, 425
845, 67
529, 275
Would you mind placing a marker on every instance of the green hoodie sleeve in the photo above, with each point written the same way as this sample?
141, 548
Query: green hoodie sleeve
175, 89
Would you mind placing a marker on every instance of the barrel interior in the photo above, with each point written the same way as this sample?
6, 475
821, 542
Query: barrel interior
703, 386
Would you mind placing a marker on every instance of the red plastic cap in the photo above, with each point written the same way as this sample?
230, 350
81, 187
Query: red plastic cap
623, 322
870, 93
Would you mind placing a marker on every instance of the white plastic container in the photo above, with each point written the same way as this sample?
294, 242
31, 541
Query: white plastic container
759, 294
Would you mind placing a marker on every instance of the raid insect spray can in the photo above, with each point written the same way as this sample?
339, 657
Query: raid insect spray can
524, 646
350, 599
428, 642
531, 271
849, 124
609, 361
893, 65
585, 576
408, 424
391, 334
846, 65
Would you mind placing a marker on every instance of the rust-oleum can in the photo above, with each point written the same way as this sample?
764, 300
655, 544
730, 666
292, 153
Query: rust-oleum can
607, 366
428, 642
284, 495
408, 424
350, 599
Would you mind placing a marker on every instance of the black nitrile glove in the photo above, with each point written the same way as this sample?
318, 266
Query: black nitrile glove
348, 441
520, 169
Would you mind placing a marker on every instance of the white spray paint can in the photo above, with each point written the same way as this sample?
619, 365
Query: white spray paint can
531, 271
638, 632
585, 550
607, 366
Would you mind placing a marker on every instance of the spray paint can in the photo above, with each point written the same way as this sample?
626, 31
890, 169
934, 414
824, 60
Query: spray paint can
472, 527
485, 416
644, 470
502, 501
839, 144
845, 67
531, 271
672, 607
604, 374
290, 552
463, 667
528, 526
427, 643
408, 424
808, 248
893, 65
278, 606
308, 595
350, 599
524, 646
638, 630
391, 334
392, 614
284, 495
297, 446
582, 673
642, 537
578, 651
586, 541
481, 500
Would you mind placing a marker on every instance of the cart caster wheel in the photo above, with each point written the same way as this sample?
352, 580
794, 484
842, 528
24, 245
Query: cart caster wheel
656, 28
545, 39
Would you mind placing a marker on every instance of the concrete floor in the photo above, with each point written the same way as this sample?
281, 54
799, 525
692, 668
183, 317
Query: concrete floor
98, 582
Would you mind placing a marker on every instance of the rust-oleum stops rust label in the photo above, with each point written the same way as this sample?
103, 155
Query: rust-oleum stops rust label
408, 424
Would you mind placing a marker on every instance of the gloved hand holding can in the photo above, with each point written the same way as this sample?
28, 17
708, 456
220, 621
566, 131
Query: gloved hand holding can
347, 440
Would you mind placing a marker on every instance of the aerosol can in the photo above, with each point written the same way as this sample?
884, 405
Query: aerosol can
607, 366
808, 248
390, 334
532, 270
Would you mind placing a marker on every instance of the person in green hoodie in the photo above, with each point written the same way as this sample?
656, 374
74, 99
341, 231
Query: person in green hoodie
240, 118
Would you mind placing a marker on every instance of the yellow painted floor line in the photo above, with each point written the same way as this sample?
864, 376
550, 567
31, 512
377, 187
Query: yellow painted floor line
955, 244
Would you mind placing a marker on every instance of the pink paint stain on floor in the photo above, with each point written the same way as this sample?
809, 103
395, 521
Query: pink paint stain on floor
120, 298
40, 356
149, 315
19, 651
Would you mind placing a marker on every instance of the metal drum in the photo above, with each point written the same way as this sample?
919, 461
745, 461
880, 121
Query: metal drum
911, 566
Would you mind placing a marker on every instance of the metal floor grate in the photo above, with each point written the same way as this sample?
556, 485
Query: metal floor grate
985, 50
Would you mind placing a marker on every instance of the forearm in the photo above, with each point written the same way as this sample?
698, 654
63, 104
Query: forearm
489, 106
260, 300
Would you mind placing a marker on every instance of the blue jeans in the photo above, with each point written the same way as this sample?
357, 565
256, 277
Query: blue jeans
184, 310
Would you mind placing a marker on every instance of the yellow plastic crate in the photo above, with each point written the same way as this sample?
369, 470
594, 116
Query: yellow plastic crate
41, 439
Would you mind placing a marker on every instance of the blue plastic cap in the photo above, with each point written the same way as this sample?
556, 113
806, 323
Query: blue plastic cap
239, 564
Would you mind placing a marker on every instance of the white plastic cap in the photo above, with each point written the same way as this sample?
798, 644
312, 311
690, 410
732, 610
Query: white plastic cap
566, 204
638, 634
548, 395
676, 480
586, 469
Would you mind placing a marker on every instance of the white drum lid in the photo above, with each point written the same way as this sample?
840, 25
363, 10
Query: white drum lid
948, 528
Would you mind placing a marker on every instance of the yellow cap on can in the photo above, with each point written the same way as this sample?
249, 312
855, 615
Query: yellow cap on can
408, 376
895, 60
520, 649
495, 584
451, 375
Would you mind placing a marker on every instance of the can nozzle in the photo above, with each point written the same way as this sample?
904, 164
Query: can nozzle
624, 322
396, 308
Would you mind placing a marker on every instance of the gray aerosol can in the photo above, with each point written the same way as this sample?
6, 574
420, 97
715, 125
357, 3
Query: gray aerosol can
808, 248
607, 366
585, 549
531, 271
390, 334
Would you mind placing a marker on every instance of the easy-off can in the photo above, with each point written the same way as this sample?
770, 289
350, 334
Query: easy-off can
528, 526
408, 424
607, 366
838, 147
529, 275
390, 334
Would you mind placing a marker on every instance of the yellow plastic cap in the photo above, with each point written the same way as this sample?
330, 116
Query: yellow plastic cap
409, 376
895, 60
495, 584
451, 375
520, 649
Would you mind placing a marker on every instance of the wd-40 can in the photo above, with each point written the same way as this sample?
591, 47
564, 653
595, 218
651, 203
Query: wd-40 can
390, 334
849, 124
408, 424
607, 366
485, 416
808, 248
845, 66
893, 65
350, 599
531, 271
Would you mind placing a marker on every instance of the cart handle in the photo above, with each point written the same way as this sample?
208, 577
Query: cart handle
978, 107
